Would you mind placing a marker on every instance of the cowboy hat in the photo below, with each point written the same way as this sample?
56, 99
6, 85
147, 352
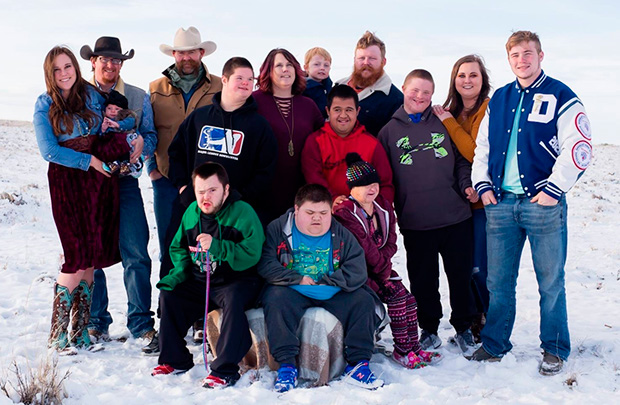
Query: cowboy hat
106, 46
187, 40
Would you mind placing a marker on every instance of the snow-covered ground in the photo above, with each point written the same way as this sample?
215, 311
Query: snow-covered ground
30, 255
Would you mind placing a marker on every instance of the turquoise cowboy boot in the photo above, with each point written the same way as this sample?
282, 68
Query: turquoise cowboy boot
80, 315
61, 308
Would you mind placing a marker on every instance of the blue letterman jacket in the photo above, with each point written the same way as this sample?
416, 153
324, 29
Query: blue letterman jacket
554, 140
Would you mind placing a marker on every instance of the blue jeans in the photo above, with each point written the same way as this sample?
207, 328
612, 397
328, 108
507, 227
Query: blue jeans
480, 261
164, 193
134, 237
508, 224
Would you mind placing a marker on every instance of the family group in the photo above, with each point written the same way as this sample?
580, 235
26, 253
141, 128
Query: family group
286, 191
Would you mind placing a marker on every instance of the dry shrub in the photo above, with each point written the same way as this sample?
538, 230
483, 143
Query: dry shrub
571, 381
43, 385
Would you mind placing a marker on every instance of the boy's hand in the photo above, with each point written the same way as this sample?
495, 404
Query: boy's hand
339, 200
112, 123
488, 198
471, 194
205, 241
305, 280
543, 199
104, 125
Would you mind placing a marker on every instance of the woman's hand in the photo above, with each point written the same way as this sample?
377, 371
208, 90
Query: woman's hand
97, 164
441, 112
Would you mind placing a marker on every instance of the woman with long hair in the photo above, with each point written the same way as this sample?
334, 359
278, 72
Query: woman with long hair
292, 117
462, 114
67, 122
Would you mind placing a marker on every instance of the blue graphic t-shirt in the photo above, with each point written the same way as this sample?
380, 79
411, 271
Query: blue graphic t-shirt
312, 258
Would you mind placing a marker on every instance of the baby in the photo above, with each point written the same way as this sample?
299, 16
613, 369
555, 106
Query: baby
317, 64
117, 117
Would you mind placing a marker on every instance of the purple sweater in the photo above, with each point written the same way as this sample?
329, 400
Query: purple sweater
289, 178
378, 258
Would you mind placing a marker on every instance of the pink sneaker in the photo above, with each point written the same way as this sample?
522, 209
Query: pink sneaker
429, 357
411, 360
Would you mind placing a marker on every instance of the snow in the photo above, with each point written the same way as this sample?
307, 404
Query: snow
30, 255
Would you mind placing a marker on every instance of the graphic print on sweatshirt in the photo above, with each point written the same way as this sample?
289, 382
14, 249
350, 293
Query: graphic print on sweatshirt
406, 157
311, 261
201, 261
222, 142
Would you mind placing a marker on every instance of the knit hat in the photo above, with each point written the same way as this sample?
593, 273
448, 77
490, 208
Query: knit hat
117, 99
359, 172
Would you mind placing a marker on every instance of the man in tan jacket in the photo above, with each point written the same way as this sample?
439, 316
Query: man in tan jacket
185, 86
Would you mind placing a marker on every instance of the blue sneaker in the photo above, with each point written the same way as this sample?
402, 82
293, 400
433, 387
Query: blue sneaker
287, 378
361, 376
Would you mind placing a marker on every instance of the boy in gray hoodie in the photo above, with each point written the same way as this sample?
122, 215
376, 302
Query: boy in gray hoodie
432, 182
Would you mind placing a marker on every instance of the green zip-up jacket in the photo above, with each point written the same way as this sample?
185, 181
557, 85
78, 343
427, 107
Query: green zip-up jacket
238, 239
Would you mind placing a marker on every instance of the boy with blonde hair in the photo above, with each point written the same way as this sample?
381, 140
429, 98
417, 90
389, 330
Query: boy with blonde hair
317, 64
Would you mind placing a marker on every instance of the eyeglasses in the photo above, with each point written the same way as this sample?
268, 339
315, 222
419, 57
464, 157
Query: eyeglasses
114, 61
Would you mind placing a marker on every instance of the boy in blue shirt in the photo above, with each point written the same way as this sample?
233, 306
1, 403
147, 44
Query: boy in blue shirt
311, 260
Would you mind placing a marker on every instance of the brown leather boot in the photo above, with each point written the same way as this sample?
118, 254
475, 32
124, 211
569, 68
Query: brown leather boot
477, 325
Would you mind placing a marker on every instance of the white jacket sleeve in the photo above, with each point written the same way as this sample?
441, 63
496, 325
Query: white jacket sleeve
575, 148
480, 167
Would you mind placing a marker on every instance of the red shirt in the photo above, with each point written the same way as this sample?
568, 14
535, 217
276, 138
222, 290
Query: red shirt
323, 159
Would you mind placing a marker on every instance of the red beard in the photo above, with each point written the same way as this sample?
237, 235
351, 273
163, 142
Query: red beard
362, 82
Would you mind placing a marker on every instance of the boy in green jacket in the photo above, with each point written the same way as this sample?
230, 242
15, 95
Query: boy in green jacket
219, 223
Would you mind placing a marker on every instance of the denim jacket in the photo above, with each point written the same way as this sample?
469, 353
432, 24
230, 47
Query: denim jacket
49, 143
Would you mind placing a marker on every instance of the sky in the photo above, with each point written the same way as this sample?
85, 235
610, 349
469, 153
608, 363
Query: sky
577, 39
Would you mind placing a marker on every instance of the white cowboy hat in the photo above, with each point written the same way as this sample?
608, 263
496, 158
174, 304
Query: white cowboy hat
187, 40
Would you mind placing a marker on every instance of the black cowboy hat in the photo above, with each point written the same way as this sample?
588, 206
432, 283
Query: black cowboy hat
106, 46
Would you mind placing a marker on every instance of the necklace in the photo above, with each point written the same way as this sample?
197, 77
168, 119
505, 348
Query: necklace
291, 129
83, 128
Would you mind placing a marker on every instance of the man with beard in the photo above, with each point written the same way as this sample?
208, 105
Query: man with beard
107, 60
219, 242
231, 132
379, 98
186, 85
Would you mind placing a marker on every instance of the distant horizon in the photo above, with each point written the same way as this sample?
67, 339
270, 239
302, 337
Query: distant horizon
576, 39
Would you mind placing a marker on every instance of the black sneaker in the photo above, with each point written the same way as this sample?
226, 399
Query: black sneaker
429, 341
482, 355
465, 341
550, 364
152, 348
